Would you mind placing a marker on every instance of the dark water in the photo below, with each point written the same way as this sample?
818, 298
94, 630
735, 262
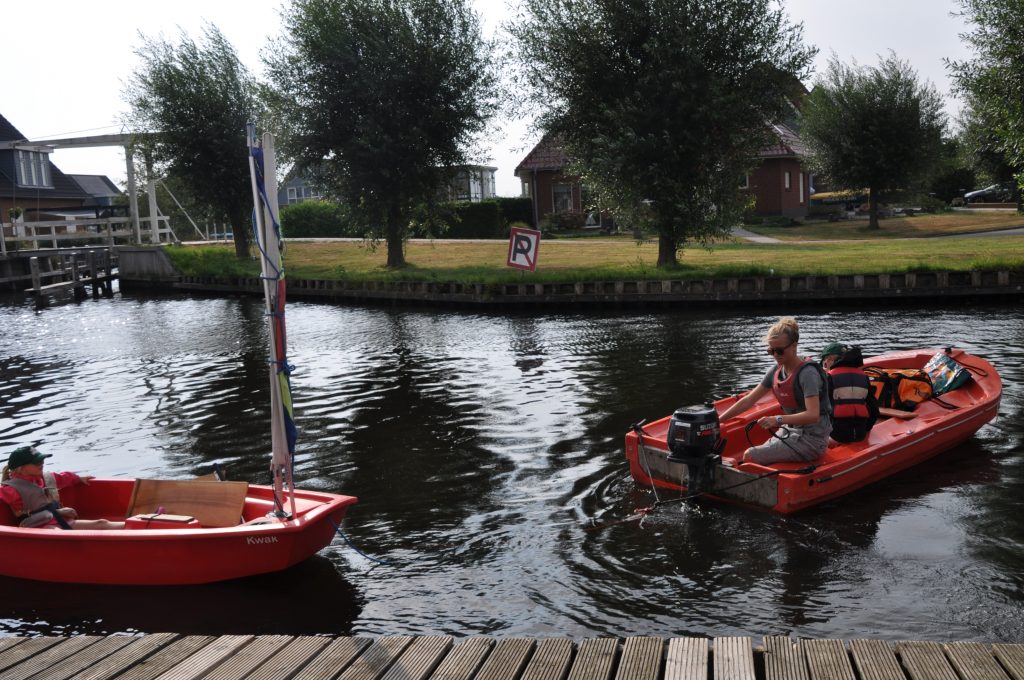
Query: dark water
483, 446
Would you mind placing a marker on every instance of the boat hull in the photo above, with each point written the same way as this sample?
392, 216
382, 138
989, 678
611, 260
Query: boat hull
169, 556
893, 445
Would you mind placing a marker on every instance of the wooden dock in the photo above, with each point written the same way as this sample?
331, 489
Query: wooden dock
167, 656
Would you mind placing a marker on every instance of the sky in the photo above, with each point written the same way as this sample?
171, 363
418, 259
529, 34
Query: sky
66, 62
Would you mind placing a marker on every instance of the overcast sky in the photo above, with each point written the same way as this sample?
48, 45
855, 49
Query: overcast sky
65, 61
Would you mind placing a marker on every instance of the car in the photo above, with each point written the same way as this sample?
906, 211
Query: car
996, 193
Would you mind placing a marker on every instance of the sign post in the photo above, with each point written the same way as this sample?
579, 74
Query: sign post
523, 245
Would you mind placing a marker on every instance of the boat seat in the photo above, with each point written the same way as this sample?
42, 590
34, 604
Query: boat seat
214, 504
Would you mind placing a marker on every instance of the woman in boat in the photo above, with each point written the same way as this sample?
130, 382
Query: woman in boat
854, 410
799, 384
34, 495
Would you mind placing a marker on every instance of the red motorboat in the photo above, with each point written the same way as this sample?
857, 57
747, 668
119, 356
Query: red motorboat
195, 531
894, 444
164, 548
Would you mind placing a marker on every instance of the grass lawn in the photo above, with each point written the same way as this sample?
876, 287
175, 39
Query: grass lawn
943, 224
611, 259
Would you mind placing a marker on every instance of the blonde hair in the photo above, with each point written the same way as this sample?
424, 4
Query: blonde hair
6, 474
784, 326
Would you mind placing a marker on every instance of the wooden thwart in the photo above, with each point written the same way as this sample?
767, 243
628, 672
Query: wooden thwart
214, 504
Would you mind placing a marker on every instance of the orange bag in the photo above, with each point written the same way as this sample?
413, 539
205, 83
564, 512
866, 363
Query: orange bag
899, 388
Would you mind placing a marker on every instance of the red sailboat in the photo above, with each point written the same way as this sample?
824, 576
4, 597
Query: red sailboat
194, 531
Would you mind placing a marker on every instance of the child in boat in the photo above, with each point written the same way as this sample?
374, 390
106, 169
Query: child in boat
799, 384
34, 495
853, 401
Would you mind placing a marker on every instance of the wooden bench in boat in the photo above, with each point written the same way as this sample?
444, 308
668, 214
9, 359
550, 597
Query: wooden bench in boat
211, 503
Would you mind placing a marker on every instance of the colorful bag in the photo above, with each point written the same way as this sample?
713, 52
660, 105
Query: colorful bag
945, 373
899, 388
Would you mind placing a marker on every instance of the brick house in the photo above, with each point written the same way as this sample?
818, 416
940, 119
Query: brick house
781, 184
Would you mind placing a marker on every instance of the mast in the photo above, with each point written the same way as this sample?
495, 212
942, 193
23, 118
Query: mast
267, 228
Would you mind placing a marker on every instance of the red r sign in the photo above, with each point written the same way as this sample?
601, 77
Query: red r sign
523, 245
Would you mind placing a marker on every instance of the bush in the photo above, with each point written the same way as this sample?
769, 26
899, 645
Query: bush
477, 220
564, 221
518, 209
317, 219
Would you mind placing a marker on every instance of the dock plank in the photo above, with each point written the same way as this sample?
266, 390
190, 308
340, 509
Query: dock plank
420, 659
249, 658
876, 660
550, 661
84, 659
784, 659
377, 658
925, 661
972, 661
595, 659
641, 658
828, 660
7, 643
294, 656
37, 663
507, 660
1012, 658
138, 649
463, 661
733, 658
158, 663
206, 658
334, 658
687, 659
14, 655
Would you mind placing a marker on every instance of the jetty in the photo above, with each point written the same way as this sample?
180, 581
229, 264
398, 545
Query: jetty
168, 656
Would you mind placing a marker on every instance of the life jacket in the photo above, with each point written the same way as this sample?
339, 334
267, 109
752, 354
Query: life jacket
788, 393
899, 388
854, 410
35, 500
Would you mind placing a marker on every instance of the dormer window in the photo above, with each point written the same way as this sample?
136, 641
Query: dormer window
33, 169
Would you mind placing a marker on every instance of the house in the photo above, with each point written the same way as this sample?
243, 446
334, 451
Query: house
781, 184
29, 181
296, 188
473, 183
543, 178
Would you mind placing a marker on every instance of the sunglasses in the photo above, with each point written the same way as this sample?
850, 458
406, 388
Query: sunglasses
779, 351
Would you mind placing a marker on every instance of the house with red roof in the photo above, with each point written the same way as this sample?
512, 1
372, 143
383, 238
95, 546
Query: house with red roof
781, 184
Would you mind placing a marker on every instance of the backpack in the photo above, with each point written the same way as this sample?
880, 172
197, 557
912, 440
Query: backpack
899, 388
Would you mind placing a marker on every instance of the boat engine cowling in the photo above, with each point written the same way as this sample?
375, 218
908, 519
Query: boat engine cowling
694, 439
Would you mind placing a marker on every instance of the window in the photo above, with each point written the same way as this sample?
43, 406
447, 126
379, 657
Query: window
526, 189
292, 198
562, 194
745, 182
33, 169
800, 178
787, 180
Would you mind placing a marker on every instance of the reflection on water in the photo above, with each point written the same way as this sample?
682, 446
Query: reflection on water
484, 447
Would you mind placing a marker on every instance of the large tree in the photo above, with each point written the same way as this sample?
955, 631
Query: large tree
993, 81
875, 127
664, 105
378, 98
196, 98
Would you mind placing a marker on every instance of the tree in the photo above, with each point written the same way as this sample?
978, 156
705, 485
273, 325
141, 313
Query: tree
874, 127
378, 97
196, 100
664, 105
984, 148
993, 82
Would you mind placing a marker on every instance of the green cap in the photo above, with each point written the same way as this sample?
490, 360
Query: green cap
833, 349
26, 455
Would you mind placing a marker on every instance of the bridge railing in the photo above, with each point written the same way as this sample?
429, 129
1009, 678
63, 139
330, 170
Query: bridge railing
56, 233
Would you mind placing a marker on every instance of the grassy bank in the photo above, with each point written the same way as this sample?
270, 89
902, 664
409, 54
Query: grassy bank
918, 226
612, 259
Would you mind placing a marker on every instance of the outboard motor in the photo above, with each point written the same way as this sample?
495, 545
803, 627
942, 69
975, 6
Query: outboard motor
694, 439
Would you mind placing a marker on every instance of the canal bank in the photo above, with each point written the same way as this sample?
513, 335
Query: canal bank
150, 268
